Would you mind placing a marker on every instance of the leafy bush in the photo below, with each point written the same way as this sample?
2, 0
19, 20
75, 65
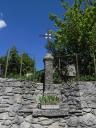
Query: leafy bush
40, 76
56, 78
87, 78
48, 99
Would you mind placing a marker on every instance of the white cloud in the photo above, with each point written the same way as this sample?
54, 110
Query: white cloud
2, 24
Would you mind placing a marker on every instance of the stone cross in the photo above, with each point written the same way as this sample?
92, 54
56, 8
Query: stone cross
48, 67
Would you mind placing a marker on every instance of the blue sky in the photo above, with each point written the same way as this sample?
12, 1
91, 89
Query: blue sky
26, 20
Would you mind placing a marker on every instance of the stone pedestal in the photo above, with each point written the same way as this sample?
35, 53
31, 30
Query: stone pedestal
48, 66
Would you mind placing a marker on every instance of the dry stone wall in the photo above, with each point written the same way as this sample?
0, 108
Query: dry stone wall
18, 100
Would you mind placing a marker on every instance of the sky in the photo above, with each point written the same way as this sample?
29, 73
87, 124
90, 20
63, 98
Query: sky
21, 24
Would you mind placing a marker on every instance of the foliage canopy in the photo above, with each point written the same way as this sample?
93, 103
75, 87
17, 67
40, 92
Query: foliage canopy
76, 34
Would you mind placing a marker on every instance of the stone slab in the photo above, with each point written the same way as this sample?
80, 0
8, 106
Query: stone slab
50, 113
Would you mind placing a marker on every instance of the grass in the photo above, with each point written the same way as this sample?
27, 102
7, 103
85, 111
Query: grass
49, 100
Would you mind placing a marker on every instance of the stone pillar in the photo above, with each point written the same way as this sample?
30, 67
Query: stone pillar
48, 66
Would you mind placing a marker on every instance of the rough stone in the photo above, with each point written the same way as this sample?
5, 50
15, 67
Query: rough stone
73, 121
54, 125
18, 120
42, 119
29, 119
4, 116
7, 122
89, 120
36, 126
14, 126
25, 125
47, 122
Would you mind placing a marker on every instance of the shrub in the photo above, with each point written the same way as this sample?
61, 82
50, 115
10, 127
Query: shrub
87, 78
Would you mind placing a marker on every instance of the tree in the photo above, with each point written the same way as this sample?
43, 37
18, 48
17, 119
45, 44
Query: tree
27, 64
92, 44
3, 64
75, 31
14, 63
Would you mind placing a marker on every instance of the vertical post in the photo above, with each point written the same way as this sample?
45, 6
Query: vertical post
0, 71
7, 63
21, 61
94, 64
48, 66
59, 64
34, 72
77, 69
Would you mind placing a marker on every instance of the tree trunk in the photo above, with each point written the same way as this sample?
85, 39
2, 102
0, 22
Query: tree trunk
94, 64
77, 67
21, 66
7, 63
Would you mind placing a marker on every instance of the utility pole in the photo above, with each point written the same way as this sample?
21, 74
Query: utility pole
77, 67
7, 63
0, 71
59, 64
34, 70
94, 63
21, 61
